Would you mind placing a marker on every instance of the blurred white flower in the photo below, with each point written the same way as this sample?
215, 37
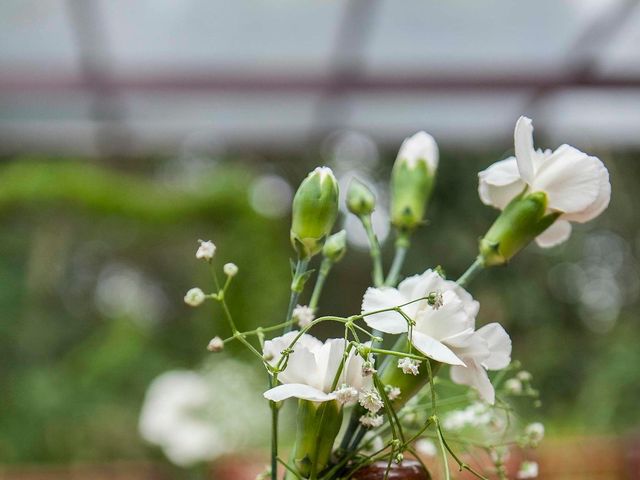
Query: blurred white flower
270, 196
371, 421
206, 250
528, 470
311, 368
393, 392
534, 433
426, 447
193, 420
576, 184
303, 315
194, 297
524, 376
475, 415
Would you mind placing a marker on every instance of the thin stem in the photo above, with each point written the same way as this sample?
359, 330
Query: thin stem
274, 440
374, 249
473, 270
297, 285
402, 246
325, 268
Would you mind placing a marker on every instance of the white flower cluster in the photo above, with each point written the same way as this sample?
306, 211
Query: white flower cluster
370, 399
409, 366
475, 415
206, 250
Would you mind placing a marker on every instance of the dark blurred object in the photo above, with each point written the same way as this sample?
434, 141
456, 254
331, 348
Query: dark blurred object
407, 470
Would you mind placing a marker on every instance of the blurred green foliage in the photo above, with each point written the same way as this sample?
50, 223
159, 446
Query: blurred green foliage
75, 359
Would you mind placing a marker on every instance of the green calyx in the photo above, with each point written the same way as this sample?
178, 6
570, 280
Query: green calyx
318, 425
336, 246
314, 211
360, 199
522, 220
411, 185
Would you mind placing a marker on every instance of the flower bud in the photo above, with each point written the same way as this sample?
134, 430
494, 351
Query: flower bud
336, 246
315, 207
522, 220
360, 199
194, 297
230, 269
412, 180
216, 345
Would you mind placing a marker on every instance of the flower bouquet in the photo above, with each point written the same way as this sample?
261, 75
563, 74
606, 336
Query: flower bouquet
409, 377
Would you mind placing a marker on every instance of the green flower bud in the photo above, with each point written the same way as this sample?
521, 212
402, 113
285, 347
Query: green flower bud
360, 199
412, 180
522, 220
336, 246
315, 208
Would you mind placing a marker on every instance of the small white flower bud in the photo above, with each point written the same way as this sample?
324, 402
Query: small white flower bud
535, 433
528, 470
368, 369
409, 365
303, 315
524, 376
399, 458
230, 269
370, 399
206, 250
194, 297
513, 386
216, 345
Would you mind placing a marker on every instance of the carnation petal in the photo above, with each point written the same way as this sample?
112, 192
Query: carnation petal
500, 183
474, 375
523, 140
381, 298
557, 233
297, 390
434, 349
570, 178
499, 344
601, 202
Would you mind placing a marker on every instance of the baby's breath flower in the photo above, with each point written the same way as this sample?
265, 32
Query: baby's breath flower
206, 250
399, 458
435, 299
528, 470
513, 386
346, 394
409, 365
524, 376
371, 421
370, 399
534, 433
426, 447
392, 392
216, 345
303, 315
230, 269
194, 297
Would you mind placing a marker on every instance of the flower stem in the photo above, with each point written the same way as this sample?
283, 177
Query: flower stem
402, 246
476, 267
297, 285
374, 249
325, 268
274, 440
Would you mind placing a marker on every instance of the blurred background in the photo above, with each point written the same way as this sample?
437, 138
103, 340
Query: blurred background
130, 129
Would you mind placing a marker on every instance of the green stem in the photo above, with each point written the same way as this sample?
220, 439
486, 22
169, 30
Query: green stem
476, 267
274, 440
402, 246
297, 285
325, 268
374, 249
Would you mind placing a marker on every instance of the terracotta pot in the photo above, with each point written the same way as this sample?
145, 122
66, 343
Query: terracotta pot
407, 470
